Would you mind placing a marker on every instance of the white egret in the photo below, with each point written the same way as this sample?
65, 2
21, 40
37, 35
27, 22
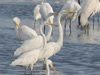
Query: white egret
89, 8
37, 14
53, 47
24, 32
31, 43
56, 46
27, 59
42, 52
45, 11
70, 5
31, 57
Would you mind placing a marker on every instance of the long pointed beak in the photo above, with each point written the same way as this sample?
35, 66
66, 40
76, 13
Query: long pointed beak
53, 67
69, 12
54, 13
52, 24
19, 26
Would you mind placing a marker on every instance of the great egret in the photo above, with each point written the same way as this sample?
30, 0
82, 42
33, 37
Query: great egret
53, 47
24, 32
27, 59
31, 43
31, 57
89, 8
37, 14
45, 11
70, 5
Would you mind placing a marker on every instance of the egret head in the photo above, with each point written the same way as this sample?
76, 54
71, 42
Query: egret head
16, 20
51, 64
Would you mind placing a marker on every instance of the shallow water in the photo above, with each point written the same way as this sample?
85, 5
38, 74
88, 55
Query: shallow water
80, 54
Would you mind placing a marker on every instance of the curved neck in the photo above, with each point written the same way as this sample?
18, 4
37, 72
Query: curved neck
60, 39
49, 33
44, 38
44, 43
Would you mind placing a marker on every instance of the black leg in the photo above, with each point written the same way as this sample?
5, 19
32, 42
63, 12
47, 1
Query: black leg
34, 24
31, 72
44, 65
88, 30
44, 29
98, 21
31, 66
26, 70
70, 27
93, 22
65, 25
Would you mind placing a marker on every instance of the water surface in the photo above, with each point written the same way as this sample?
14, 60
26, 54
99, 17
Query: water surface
80, 54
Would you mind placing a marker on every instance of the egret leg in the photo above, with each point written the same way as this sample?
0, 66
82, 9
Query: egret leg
40, 21
47, 66
44, 64
65, 27
93, 22
44, 29
88, 29
34, 24
31, 68
79, 20
65, 24
67, 21
70, 27
26, 69
98, 22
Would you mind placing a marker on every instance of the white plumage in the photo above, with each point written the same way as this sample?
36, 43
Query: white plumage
70, 5
98, 6
37, 14
26, 59
31, 43
89, 8
53, 47
46, 10
24, 32
31, 57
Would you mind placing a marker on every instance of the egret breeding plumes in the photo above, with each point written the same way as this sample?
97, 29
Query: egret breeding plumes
70, 5
37, 14
24, 32
89, 8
